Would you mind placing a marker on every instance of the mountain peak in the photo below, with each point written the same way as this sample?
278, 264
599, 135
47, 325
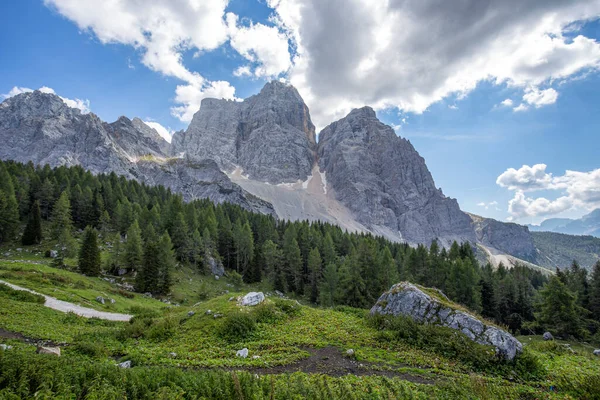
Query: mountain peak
363, 112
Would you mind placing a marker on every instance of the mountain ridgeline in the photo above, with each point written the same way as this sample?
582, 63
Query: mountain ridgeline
262, 154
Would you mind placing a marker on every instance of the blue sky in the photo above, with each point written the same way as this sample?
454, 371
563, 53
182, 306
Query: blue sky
439, 82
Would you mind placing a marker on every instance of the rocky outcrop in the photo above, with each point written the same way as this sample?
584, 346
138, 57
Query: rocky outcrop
252, 299
509, 238
269, 135
382, 179
427, 306
41, 128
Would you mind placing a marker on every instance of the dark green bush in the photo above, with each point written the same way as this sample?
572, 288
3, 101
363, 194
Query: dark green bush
20, 295
162, 329
91, 347
238, 326
289, 307
268, 313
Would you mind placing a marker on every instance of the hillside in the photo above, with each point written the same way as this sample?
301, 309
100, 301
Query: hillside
560, 250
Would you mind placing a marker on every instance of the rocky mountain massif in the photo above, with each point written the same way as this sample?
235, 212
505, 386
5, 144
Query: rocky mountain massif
262, 154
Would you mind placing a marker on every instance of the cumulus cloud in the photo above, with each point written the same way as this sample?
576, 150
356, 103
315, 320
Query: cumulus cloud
526, 178
410, 54
164, 29
342, 54
506, 103
576, 189
488, 205
166, 133
83, 105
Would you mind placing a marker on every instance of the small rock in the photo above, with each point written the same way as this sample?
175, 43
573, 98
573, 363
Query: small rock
53, 253
208, 312
253, 299
173, 355
548, 336
232, 298
121, 271
112, 301
48, 350
5, 347
597, 352
191, 313
217, 277
148, 294
125, 364
350, 352
100, 299
19, 249
217, 315
255, 357
242, 353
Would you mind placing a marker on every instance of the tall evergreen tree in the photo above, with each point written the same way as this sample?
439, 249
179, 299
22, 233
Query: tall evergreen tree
244, 246
89, 253
314, 268
9, 209
354, 289
594, 303
558, 311
148, 276
329, 288
133, 247
166, 262
293, 261
272, 259
33, 230
61, 225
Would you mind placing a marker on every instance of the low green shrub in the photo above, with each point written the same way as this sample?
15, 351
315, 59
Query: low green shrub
20, 295
238, 326
162, 329
289, 307
90, 347
268, 313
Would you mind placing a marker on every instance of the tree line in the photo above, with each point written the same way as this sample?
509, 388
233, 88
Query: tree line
148, 230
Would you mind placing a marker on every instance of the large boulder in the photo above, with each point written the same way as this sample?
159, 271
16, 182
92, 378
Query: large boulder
253, 299
48, 350
427, 306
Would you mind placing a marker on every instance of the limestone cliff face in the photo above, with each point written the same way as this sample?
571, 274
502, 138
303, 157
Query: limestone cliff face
269, 135
41, 128
382, 179
509, 238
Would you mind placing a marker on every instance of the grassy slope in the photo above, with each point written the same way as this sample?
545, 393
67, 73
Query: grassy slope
286, 338
557, 249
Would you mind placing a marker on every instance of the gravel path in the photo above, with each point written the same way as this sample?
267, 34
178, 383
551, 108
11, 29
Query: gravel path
65, 306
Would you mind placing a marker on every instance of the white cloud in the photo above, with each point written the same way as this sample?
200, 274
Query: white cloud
243, 70
488, 205
453, 107
410, 54
506, 103
83, 105
539, 98
521, 107
164, 29
577, 189
262, 45
526, 178
166, 133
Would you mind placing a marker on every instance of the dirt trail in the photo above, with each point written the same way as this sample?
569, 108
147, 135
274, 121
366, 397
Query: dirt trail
330, 361
65, 307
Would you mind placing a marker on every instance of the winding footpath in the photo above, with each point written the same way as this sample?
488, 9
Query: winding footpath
65, 307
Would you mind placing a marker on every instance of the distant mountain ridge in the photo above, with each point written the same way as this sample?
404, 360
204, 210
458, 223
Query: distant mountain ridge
589, 224
262, 154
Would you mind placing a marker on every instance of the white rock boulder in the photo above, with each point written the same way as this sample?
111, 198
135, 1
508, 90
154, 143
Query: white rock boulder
407, 299
253, 299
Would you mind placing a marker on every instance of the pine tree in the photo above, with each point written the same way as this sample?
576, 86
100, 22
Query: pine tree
314, 268
558, 311
166, 262
62, 225
180, 237
133, 247
33, 230
9, 209
329, 253
243, 243
594, 303
89, 253
272, 259
389, 275
354, 289
293, 261
329, 286
148, 277
488, 299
